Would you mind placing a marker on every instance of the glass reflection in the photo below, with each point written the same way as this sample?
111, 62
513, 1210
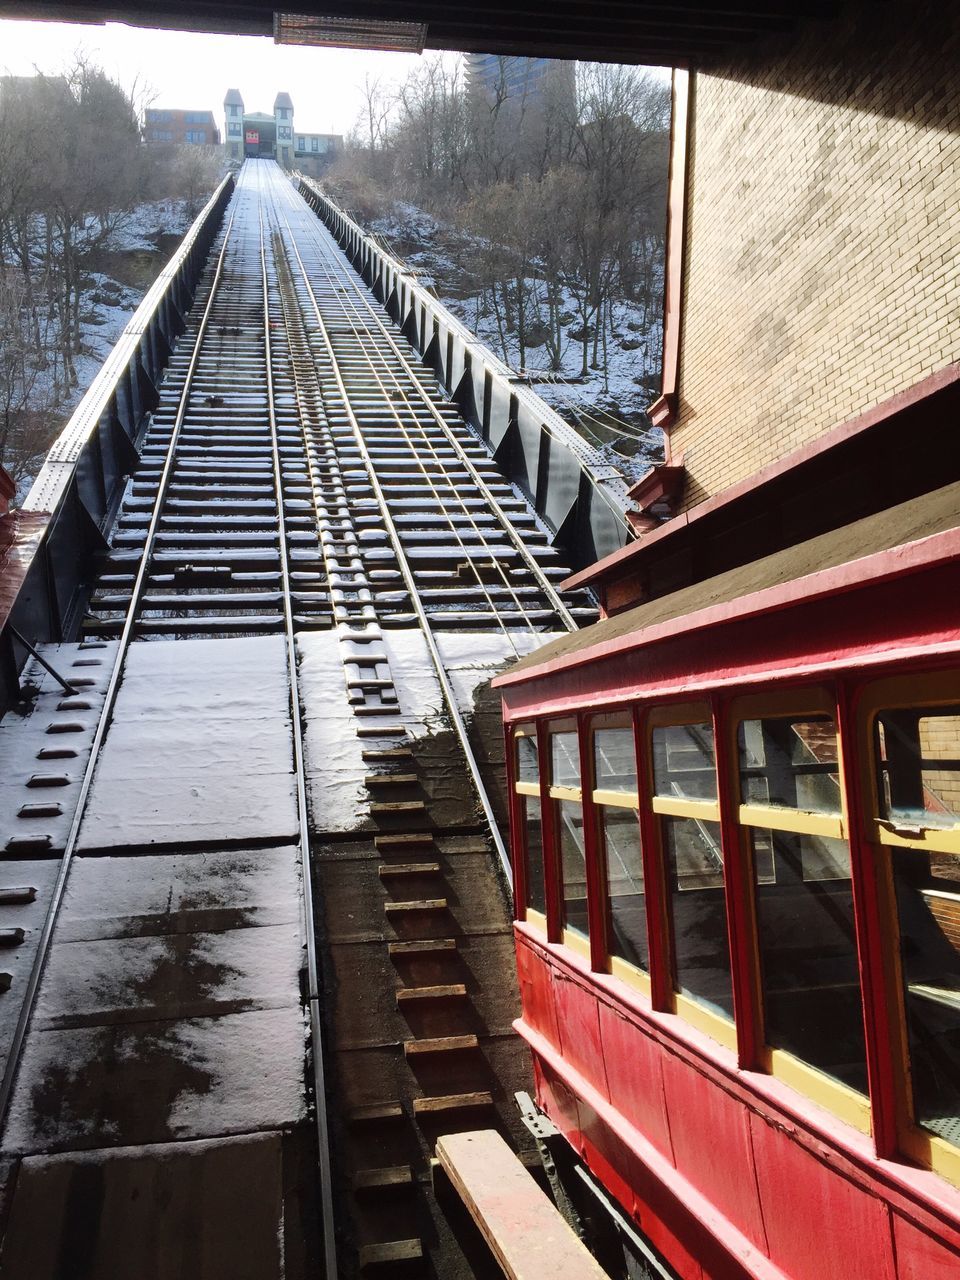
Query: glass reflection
626, 904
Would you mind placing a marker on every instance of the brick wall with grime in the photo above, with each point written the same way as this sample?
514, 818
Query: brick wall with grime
822, 248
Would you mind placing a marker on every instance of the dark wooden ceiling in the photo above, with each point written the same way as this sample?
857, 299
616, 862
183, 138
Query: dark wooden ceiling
673, 33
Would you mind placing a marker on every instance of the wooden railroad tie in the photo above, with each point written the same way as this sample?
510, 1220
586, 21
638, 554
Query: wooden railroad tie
440, 1044
416, 995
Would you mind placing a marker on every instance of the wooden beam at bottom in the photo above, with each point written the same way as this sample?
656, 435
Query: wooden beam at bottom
525, 1231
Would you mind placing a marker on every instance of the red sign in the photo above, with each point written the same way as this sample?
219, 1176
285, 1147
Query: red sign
253, 135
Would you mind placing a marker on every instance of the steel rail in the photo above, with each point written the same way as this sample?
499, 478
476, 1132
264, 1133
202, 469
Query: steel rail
546, 586
313, 984
12, 1065
410, 582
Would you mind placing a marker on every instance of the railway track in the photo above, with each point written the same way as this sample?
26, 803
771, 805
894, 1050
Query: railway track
306, 484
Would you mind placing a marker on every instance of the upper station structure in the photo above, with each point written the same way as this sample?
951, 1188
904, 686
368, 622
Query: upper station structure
275, 137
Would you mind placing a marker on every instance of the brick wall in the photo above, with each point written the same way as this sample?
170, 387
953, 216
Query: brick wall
822, 266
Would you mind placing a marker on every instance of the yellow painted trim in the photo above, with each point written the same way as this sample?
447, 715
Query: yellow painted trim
576, 942
809, 700
845, 1103
802, 821
929, 838
618, 799
933, 1152
537, 919
630, 974
527, 789
678, 714
566, 793
675, 807
711, 1024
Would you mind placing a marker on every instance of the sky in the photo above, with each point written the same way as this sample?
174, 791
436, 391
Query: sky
195, 71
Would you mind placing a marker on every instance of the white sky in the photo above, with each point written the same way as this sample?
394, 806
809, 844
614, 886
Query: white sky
195, 71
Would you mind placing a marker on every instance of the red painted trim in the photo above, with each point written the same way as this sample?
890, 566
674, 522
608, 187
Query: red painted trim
654, 878
596, 871
871, 951
550, 841
921, 1195
746, 1255
518, 826
830, 439
882, 566
663, 410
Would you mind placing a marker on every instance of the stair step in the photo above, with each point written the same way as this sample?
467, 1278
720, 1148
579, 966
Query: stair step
441, 1044
11, 937
404, 840
383, 1179
428, 946
66, 726
408, 869
50, 809
420, 904
452, 1102
389, 1254
374, 755
390, 780
398, 806
377, 1111
48, 780
381, 730
57, 753
414, 995
17, 895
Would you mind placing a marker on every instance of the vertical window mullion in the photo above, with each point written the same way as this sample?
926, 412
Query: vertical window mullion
741, 915
518, 829
550, 836
658, 931
874, 912
596, 878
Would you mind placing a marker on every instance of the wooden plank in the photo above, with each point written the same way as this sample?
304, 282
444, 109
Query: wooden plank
426, 946
525, 1231
398, 806
422, 904
381, 731
390, 780
385, 1255
410, 995
442, 1044
392, 1177
451, 1102
408, 869
375, 1112
404, 840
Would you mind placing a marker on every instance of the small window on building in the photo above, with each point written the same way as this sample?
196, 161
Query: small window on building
917, 754
685, 798
314, 144
791, 812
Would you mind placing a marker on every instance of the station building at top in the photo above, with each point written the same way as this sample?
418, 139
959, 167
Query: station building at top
274, 137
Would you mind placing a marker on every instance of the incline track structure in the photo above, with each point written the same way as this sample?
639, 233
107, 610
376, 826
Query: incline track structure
315, 570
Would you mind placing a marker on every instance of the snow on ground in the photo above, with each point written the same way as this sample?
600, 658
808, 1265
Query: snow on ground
434, 252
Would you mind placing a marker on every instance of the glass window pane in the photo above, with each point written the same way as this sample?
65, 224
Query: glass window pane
528, 769
684, 761
533, 839
573, 863
790, 762
615, 759
928, 903
698, 909
626, 905
808, 952
564, 759
918, 753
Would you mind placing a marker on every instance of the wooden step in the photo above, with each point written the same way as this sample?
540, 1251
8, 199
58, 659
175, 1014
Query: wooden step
451, 1102
425, 947
381, 730
386, 755
412, 995
441, 1044
395, 1177
398, 806
421, 904
376, 1112
377, 1256
404, 840
390, 870
390, 780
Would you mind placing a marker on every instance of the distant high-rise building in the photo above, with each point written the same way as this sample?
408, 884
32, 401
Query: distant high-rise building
496, 76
